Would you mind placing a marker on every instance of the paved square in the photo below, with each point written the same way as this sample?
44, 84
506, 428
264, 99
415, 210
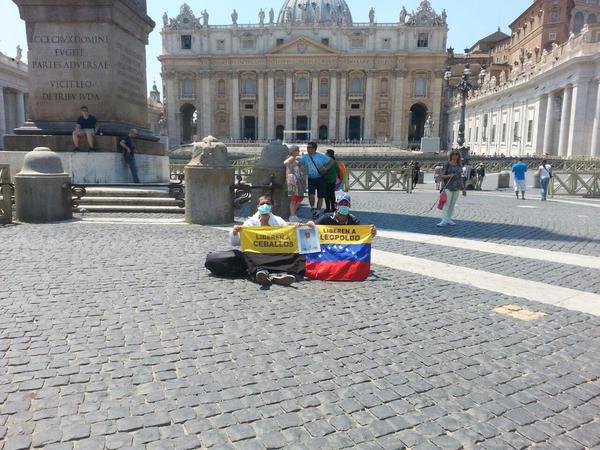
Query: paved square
113, 336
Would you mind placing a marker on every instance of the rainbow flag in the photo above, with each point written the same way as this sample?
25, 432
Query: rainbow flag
345, 254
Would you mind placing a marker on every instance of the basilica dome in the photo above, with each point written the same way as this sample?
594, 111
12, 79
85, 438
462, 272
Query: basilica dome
315, 11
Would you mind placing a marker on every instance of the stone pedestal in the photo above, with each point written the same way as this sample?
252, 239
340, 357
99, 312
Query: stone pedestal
536, 181
504, 180
208, 181
430, 144
43, 189
270, 166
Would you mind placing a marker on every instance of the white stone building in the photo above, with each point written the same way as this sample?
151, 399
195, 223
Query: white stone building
13, 94
311, 68
551, 107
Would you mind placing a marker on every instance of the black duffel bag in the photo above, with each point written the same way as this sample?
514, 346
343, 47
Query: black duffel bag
229, 263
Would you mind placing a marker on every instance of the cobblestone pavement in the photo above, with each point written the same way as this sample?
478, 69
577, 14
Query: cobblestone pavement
114, 336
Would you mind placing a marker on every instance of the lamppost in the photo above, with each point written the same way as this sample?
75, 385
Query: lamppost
463, 87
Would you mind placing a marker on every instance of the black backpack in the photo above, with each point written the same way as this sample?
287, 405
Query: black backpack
230, 263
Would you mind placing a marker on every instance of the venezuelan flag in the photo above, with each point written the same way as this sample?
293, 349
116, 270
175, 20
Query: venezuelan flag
345, 254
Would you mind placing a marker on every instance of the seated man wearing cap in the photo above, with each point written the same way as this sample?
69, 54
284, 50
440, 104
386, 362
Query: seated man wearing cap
342, 215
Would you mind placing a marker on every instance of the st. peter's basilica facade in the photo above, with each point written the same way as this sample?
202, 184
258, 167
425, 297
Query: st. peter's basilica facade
309, 67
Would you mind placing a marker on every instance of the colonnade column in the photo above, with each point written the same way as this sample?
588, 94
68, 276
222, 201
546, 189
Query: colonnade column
270, 106
235, 106
397, 114
578, 118
261, 106
343, 102
547, 148
595, 149
288, 100
2, 117
565, 115
20, 99
332, 105
369, 99
206, 103
314, 110
173, 130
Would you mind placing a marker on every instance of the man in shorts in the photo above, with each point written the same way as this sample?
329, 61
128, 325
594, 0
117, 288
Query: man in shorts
87, 126
519, 169
317, 165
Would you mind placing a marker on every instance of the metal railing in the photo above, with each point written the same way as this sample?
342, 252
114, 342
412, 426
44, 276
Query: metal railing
586, 184
6, 195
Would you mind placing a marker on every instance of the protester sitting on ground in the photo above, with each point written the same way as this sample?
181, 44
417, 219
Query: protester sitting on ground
87, 126
296, 181
128, 147
342, 215
265, 218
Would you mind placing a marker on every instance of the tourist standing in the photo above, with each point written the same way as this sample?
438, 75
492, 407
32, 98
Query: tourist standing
416, 170
480, 175
331, 178
544, 173
452, 177
519, 169
128, 146
437, 176
87, 126
317, 165
296, 181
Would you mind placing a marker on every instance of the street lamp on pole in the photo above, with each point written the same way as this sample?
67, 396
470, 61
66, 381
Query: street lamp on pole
463, 87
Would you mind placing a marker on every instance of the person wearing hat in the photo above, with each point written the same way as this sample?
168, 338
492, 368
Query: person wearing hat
342, 215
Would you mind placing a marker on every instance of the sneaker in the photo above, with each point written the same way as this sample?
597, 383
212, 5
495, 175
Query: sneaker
451, 223
443, 223
92, 149
315, 213
263, 278
76, 149
294, 219
283, 279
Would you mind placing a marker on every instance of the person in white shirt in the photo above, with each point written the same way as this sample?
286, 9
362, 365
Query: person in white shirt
545, 174
263, 218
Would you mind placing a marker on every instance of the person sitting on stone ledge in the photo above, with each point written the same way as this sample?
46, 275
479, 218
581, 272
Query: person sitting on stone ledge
87, 126
283, 271
128, 146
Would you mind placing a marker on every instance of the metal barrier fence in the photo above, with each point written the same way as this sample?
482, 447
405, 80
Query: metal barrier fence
6, 193
586, 184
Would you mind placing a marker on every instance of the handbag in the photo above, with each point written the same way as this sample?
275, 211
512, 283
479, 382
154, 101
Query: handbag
442, 200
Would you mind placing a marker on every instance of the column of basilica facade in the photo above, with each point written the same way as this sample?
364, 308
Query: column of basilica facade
312, 69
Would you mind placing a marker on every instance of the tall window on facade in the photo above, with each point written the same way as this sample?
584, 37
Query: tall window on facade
357, 42
356, 86
485, 125
186, 42
187, 88
477, 134
302, 86
221, 88
420, 87
220, 44
516, 132
504, 132
529, 130
384, 86
554, 16
248, 44
249, 87
280, 88
423, 40
493, 136
324, 88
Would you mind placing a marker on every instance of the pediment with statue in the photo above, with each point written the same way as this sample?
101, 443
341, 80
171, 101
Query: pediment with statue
303, 46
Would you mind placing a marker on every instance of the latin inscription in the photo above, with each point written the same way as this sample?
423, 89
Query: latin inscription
71, 53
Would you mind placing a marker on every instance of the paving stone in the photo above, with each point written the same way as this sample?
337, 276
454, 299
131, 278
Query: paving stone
20, 442
76, 431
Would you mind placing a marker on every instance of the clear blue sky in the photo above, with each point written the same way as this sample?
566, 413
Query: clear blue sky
469, 20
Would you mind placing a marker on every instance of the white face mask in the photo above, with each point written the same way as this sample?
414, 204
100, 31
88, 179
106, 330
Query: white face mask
265, 209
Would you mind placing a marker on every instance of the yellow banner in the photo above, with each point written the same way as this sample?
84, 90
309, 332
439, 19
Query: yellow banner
269, 239
340, 234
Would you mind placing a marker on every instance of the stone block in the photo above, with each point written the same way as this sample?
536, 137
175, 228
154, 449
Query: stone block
504, 180
430, 144
208, 196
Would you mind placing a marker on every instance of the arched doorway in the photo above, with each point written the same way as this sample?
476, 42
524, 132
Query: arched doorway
416, 122
578, 22
323, 133
279, 132
188, 123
